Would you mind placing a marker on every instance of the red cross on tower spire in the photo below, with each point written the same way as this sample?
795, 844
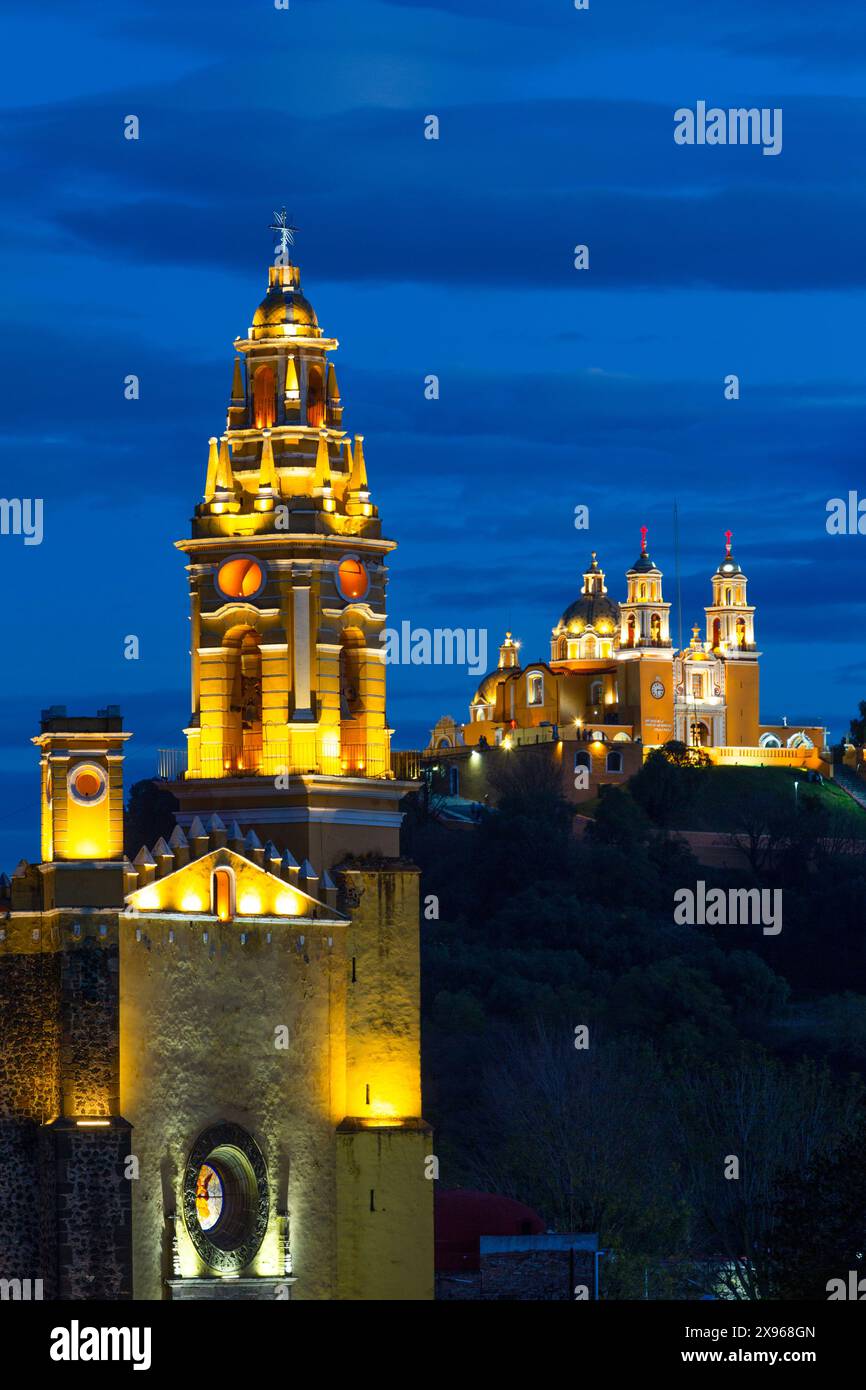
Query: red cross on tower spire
728, 535
643, 531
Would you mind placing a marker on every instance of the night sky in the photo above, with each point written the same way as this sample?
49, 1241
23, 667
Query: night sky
452, 257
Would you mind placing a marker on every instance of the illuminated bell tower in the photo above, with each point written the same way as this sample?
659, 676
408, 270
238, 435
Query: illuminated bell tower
645, 650
287, 579
730, 618
288, 757
731, 638
644, 617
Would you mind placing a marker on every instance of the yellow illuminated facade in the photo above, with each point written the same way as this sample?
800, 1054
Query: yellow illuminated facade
286, 567
226, 1027
616, 685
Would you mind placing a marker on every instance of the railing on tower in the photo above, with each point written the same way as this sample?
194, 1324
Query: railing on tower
278, 756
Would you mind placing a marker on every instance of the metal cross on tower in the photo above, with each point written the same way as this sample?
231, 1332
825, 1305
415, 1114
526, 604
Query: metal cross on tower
286, 232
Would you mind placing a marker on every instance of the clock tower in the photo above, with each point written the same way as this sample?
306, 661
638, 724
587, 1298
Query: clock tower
645, 650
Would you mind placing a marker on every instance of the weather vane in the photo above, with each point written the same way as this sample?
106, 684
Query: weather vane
285, 230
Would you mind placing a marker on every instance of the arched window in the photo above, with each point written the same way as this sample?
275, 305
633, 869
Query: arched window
595, 690
655, 629
643, 592
769, 741
589, 645
264, 407
535, 688
582, 759
800, 740
222, 894
351, 654
717, 633
315, 397
242, 750
728, 597
631, 630
741, 632
614, 762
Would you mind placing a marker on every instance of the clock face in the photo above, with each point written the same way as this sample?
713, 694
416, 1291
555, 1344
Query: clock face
657, 690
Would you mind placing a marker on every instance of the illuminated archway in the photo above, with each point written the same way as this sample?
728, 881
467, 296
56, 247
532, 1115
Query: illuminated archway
264, 398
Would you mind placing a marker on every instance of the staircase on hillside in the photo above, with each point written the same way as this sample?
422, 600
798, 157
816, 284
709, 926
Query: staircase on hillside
850, 783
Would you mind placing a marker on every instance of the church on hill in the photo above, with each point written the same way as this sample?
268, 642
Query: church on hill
210, 1070
615, 687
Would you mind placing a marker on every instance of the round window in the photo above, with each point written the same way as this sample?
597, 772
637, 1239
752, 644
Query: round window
241, 577
88, 783
225, 1197
353, 581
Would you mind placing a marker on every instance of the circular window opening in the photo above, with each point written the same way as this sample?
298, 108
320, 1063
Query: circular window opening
87, 783
240, 577
226, 1197
353, 581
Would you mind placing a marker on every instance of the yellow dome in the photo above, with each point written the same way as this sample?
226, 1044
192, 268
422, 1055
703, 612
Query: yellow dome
284, 305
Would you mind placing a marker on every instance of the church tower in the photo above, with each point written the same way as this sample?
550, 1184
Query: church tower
731, 638
270, 998
645, 649
287, 580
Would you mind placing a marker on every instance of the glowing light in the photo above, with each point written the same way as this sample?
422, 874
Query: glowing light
475, 756
192, 903
147, 899
506, 743
88, 849
93, 1124
289, 904
250, 904
382, 1110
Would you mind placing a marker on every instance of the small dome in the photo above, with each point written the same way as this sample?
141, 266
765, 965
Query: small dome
283, 305
729, 568
486, 692
590, 610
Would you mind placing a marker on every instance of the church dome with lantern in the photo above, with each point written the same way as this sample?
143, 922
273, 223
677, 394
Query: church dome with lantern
284, 306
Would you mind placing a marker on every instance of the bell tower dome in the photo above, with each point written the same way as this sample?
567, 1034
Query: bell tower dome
644, 617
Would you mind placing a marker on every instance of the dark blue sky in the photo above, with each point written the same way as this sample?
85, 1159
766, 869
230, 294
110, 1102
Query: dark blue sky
451, 257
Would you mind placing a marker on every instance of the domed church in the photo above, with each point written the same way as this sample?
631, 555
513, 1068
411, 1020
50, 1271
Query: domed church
615, 681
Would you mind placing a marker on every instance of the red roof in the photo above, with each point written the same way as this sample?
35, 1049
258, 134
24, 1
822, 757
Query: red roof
463, 1216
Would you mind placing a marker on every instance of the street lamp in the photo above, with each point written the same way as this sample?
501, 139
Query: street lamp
796, 798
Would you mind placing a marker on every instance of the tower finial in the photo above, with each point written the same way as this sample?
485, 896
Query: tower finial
285, 230
643, 534
728, 538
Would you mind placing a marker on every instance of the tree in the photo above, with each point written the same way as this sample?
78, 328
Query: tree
578, 1133
858, 726
819, 1229
738, 1131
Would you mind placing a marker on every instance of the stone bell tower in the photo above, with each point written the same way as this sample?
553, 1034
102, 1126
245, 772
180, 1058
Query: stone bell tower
281, 901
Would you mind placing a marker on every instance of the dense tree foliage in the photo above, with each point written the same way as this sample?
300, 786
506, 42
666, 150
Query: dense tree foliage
703, 1042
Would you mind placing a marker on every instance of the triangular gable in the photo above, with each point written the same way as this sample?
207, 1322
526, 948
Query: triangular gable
192, 882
